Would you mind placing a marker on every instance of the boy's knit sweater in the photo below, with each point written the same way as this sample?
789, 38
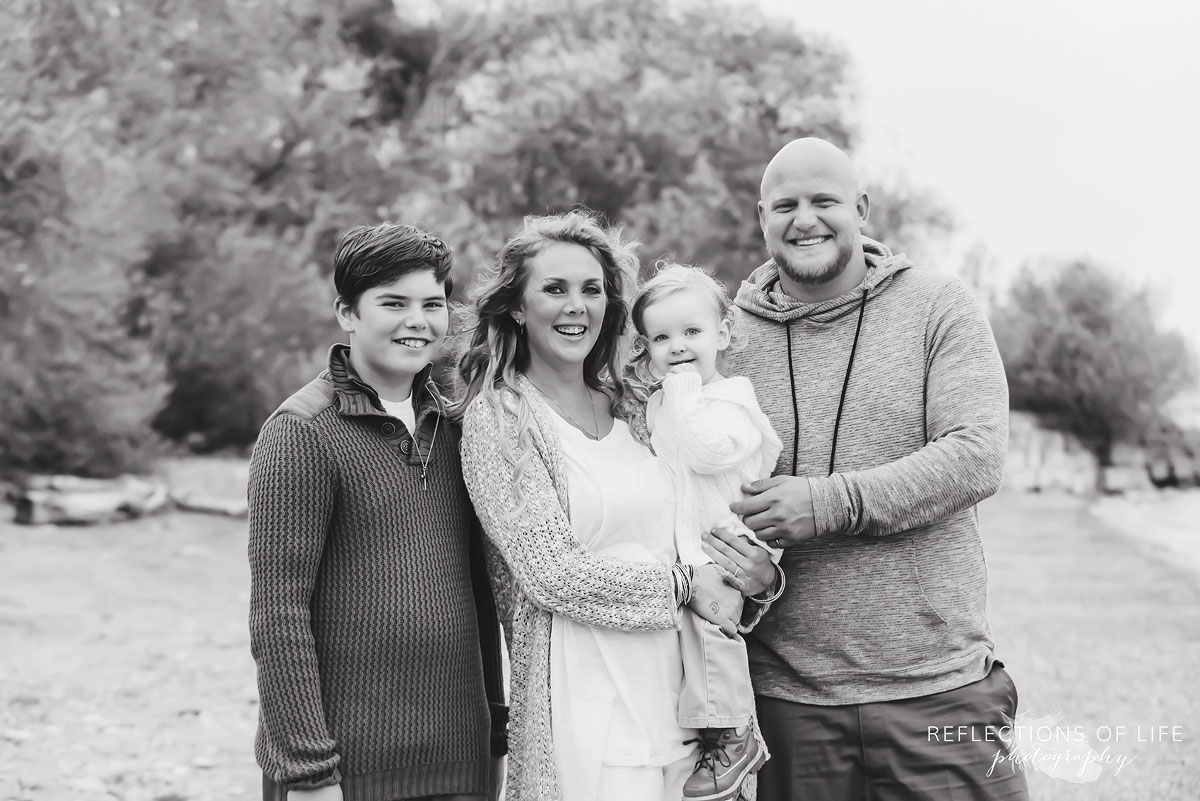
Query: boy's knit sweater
889, 601
363, 618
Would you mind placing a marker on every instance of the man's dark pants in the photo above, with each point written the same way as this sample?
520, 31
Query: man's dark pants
887, 752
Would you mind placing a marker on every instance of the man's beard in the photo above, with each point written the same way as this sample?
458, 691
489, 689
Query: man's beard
813, 276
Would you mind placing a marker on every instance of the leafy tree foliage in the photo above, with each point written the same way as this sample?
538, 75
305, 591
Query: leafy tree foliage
659, 116
77, 390
174, 176
1085, 352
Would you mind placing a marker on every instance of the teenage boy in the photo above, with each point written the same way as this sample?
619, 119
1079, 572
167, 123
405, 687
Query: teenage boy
369, 600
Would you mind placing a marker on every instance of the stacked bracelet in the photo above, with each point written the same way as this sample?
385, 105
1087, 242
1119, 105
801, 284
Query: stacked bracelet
683, 576
775, 596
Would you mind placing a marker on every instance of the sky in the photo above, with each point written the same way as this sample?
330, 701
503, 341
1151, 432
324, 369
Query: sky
1050, 128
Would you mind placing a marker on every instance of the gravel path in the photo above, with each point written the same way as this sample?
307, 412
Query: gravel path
125, 670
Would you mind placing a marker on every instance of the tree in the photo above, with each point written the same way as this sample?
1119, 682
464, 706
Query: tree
1085, 353
77, 389
184, 170
659, 116
223, 155
907, 218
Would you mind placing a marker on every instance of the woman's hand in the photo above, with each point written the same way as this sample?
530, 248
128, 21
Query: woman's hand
747, 565
714, 600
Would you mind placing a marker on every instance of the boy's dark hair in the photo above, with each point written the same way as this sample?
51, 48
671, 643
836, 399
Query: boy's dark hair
368, 257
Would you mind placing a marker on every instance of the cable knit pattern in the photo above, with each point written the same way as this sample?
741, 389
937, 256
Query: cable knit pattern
539, 569
363, 620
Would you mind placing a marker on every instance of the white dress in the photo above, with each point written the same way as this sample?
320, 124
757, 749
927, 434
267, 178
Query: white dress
614, 694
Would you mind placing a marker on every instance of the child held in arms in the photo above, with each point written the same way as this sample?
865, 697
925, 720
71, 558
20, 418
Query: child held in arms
714, 438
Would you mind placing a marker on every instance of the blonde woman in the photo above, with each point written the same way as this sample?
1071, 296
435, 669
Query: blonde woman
579, 521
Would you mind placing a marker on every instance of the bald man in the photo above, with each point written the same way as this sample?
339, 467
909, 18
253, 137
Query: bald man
886, 387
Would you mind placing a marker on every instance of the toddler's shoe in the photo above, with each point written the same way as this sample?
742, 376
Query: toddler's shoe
727, 757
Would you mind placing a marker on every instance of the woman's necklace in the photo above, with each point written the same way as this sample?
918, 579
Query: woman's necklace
594, 433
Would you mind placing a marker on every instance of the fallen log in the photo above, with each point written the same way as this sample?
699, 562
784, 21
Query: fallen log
67, 500
70, 499
195, 502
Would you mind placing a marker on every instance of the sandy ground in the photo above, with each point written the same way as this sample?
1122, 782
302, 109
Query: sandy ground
125, 670
1102, 627
1166, 524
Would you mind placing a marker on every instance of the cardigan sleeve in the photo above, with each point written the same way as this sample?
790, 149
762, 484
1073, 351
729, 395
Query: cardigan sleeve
536, 541
290, 491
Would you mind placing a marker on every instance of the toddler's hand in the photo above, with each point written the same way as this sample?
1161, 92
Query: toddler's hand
715, 601
683, 368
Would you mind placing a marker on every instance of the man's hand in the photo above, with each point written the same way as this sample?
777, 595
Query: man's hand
715, 601
747, 565
332, 792
778, 510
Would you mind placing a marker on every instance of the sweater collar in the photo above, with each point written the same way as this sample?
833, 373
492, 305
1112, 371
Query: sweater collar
762, 295
357, 398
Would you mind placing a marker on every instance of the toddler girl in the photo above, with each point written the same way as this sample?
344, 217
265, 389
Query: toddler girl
713, 437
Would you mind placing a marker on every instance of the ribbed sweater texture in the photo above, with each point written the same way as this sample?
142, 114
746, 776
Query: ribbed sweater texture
363, 619
889, 601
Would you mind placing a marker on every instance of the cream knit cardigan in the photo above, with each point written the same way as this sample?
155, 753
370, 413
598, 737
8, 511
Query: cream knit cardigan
538, 568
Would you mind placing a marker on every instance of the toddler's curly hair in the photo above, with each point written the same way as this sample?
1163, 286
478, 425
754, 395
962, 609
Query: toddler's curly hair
670, 277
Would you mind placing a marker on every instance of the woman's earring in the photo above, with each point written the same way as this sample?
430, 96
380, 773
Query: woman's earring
521, 326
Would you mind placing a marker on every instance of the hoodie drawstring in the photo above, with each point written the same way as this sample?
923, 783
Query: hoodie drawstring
787, 327
837, 423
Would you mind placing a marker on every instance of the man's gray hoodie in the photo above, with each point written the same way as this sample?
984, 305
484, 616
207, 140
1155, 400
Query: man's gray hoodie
889, 601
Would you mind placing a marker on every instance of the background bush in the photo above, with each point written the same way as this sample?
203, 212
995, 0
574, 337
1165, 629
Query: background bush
1085, 352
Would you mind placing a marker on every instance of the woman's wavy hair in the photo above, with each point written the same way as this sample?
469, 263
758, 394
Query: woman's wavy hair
669, 278
491, 348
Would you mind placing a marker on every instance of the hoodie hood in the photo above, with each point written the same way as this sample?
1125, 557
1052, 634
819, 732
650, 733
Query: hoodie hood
761, 295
